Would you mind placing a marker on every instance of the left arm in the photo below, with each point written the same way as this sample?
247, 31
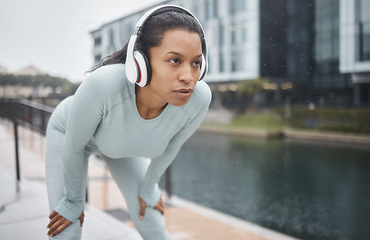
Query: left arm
149, 191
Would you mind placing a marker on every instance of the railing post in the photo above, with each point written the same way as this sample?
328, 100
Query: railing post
168, 185
87, 192
15, 123
43, 121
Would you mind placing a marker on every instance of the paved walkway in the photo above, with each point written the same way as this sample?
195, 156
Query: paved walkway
23, 214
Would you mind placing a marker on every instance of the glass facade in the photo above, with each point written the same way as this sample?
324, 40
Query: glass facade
363, 24
326, 35
330, 86
273, 39
299, 40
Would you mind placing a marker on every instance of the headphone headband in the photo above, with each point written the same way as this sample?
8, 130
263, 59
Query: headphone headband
137, 65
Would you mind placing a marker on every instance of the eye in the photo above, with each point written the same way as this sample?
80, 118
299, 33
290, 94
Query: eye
175, 61
197, 63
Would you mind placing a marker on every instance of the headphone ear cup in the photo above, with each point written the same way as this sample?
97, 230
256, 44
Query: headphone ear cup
203, 68
144, 69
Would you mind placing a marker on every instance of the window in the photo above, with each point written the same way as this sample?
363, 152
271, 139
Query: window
244, 32
221, 38
236, 6
97, 41
234, 61
221, 61
208, 10
365, 47
232, 6
326, 31
211, 10
241, 60
215, 8
363, 7
97, 59
233, 33
195, 8
112, 48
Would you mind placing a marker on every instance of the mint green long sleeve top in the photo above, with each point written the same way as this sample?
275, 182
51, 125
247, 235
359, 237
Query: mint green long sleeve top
103, 114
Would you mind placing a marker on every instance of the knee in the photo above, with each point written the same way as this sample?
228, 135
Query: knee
153, 226
72, 232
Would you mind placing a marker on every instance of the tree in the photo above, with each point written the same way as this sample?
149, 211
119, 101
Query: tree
38, 80
249, 88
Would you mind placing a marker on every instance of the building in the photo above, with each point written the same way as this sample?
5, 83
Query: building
330, 86
29, 70
354, 51
328, 51
300, 42
15, 89
298, 46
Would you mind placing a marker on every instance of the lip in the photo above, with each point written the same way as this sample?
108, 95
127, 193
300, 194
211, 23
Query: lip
185, 92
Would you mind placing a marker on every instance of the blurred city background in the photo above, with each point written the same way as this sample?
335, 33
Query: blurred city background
286, 142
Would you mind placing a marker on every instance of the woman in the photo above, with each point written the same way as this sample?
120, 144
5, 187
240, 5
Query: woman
136, 128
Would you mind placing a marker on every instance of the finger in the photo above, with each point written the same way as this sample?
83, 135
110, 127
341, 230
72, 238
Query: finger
60, 229
58, 222
142, 208
142, 212
82, 218
52, 214
54, 220
59, 226
54, 227
159, 208
160, 203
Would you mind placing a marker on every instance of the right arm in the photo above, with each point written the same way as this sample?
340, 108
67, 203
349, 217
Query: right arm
85, 114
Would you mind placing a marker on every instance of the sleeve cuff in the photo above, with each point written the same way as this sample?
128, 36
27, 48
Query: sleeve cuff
151, 196
69, 210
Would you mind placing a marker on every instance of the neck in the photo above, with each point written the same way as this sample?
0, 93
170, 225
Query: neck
148, 105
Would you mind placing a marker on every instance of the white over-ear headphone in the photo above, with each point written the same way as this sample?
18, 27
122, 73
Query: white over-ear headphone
137, 65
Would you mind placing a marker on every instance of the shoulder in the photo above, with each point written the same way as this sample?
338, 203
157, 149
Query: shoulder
108, 71
107, 78
202, 94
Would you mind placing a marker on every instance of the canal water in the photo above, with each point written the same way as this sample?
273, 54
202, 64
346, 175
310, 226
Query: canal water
311, 191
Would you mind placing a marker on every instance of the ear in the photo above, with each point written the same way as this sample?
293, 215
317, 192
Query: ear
144, 69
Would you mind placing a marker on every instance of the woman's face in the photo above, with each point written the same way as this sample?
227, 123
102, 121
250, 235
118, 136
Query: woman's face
175, 66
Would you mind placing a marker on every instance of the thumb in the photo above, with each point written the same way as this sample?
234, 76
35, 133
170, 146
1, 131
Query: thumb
142, 212
142, 208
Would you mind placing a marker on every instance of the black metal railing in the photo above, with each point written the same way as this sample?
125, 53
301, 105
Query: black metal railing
35, 116
26, 113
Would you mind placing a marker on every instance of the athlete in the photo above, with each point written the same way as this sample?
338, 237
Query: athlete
135, 109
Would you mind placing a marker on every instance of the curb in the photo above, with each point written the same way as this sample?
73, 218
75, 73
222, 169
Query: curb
291, 134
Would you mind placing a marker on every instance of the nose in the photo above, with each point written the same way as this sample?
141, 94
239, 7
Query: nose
187, 74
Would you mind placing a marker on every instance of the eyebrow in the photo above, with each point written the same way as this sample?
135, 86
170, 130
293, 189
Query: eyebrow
181, 55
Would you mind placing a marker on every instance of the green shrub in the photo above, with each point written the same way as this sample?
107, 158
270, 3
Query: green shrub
330, 119
266, 120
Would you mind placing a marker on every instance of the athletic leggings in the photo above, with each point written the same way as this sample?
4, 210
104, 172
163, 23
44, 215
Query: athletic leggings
128, 174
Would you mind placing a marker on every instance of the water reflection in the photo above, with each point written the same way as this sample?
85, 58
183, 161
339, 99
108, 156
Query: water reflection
310, 191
